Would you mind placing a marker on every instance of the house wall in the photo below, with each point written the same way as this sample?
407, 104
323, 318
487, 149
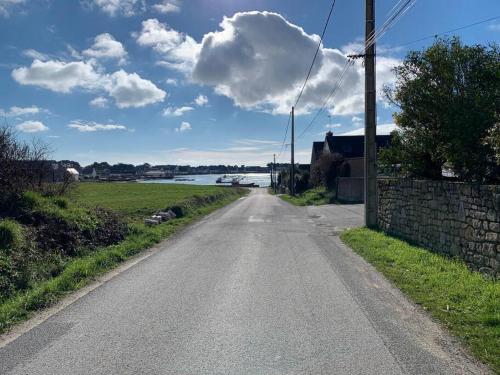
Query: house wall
350, 189
357, 166
456, 219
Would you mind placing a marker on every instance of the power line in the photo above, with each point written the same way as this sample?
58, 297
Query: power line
395, 15
391, 21
286, 133
315, 54
448, 31
336, 87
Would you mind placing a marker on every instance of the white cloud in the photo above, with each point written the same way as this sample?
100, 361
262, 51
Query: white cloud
185, 126
171, 6
107, 47
252, 155
354, 47
494, 27
176, 111
87, 127
230, 155
201, 100
34, 54
178, 50
74, 53
382, 129
157, 35
130, 90
358, 46
241, 61
258, 142
21, 111
31, 127
172, 82
113, 8
57, 76
6, 6
332, 126
99, 102
357, 121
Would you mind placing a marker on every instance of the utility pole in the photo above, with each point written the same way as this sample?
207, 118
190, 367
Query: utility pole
292, 172
271, 173
370, 120
275, 179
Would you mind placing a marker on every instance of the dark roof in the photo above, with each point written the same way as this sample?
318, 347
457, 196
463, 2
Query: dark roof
317, 149
352, 146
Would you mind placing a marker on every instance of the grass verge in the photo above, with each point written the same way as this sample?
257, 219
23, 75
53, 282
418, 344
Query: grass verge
312, 197
466, 302
80, 271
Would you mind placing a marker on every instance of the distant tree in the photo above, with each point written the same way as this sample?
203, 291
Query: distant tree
301, 182
315, 178
449, 99
23, 166
143, 168
122, 168
493, 140
99, 167
71, 164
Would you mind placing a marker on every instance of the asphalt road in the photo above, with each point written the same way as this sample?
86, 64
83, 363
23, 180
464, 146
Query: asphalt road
259, 287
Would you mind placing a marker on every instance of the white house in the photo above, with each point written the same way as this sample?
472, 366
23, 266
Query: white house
73, 173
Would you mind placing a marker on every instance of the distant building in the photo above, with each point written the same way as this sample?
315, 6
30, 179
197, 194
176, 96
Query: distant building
89, 174
158, 174
350, 177
351, 147
73, 174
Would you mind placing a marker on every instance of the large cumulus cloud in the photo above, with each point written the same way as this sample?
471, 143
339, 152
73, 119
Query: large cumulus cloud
259, 60
258, 57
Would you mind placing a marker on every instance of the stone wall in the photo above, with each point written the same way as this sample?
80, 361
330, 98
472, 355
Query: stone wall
457, 219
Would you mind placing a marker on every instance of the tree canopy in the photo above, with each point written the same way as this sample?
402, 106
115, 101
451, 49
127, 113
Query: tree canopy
448, 98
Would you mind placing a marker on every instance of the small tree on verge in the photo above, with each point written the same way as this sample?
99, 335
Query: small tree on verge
25, 166
315, 178
449, 99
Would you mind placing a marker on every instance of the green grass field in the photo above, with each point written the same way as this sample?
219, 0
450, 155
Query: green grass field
466, 302
311, 197
134, 202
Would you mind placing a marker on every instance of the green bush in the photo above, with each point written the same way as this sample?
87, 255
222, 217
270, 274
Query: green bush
7, 275
58, 226
11, 235
61, 202
44, 232
29, 200
448, 111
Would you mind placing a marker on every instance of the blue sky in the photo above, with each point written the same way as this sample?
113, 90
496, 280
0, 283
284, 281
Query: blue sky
199, 81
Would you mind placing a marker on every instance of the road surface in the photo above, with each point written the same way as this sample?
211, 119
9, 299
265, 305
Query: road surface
259, 287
